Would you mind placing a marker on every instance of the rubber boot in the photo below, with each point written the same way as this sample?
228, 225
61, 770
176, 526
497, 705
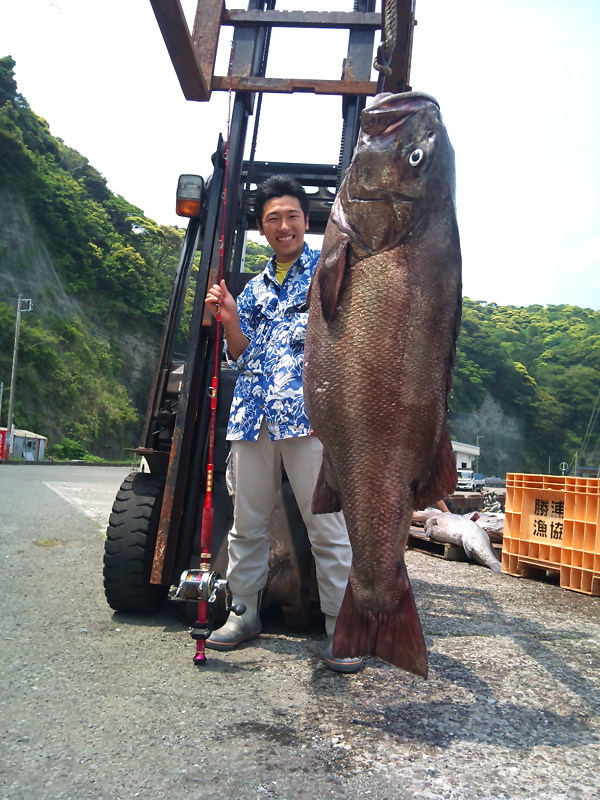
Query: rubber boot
238, 629
347, 665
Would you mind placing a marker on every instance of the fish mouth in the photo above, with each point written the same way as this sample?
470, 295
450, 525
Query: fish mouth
389, 111
393, 197
401, 99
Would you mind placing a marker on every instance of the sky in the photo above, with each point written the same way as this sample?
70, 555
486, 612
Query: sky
518, 82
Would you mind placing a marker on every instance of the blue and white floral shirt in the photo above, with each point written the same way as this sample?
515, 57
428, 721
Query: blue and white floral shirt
269, 385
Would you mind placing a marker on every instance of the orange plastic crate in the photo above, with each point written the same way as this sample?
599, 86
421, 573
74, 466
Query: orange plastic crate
553, 523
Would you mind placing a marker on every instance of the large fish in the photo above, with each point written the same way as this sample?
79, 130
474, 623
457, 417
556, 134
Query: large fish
384, 316
456, 529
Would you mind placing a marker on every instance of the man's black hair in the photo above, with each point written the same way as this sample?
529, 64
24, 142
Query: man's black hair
278, 186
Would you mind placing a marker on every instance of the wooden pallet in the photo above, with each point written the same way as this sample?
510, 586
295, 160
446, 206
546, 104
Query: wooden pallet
575, 579
449, 552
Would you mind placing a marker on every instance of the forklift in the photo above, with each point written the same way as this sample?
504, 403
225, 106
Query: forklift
153, 539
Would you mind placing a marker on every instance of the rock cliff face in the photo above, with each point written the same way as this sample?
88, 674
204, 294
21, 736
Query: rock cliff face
503, 442
25, 264
26, 268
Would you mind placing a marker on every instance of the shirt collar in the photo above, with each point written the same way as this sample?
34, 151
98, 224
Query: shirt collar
299, 265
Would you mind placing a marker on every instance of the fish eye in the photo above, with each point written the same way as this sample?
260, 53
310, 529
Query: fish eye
416, 157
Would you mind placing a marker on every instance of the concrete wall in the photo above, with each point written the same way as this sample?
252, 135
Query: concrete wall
463, 460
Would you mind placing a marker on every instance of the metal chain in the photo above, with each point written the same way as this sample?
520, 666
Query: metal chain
388, 42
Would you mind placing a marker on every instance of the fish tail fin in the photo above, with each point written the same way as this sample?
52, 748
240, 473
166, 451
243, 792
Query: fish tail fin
485, 556
441, 481
393, 634
326, 498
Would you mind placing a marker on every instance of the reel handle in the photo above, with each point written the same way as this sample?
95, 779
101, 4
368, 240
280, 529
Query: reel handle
238, 609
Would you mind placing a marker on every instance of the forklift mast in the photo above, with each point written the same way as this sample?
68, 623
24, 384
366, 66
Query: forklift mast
175, 431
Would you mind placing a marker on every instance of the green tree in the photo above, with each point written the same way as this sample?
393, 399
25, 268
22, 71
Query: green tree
257, 256
116, 262
8, 84
540, 363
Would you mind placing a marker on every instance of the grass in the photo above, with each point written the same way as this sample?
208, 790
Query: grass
47, 542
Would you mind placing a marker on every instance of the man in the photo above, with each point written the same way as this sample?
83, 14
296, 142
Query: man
268, 426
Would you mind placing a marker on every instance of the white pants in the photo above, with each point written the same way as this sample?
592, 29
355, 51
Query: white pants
257, 470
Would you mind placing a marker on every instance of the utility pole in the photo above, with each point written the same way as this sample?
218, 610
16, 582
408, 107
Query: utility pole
478, 437
11, 400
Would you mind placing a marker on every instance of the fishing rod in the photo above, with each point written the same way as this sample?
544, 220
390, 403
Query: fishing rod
203, 585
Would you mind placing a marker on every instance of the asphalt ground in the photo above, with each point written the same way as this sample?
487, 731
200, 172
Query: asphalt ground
103, 705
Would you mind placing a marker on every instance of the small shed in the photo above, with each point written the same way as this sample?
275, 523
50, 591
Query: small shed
465, 454
28, 445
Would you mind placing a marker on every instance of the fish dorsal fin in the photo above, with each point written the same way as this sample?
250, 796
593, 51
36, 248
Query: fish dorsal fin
331, 269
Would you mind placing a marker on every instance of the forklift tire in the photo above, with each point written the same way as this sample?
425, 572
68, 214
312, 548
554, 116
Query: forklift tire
129, 547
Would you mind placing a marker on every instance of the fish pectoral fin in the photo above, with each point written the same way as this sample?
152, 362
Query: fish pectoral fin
308, 296
441, 481
332, 268
469, 551
393, 634
326, 498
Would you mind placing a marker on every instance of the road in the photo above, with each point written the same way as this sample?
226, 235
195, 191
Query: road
96, 704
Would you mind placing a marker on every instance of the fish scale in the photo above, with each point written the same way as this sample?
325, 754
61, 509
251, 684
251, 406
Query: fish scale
382, 326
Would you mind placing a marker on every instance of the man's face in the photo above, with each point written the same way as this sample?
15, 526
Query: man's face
283, 223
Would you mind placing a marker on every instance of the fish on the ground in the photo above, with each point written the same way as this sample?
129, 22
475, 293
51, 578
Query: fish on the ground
384, 315
419, 518
492, 524
457, 529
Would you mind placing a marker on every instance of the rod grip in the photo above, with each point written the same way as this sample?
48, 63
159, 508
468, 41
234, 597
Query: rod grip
207, 529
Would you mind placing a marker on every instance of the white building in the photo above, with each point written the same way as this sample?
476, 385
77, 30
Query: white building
28, 445
465, 455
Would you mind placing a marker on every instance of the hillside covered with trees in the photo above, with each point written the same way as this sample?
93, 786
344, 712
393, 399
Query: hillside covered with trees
99, 272
86, 349
542, 367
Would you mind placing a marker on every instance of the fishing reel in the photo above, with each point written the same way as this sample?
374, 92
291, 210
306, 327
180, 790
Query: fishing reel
203, 586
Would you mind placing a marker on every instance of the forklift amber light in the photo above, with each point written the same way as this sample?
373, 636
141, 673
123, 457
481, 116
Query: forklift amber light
190, 194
